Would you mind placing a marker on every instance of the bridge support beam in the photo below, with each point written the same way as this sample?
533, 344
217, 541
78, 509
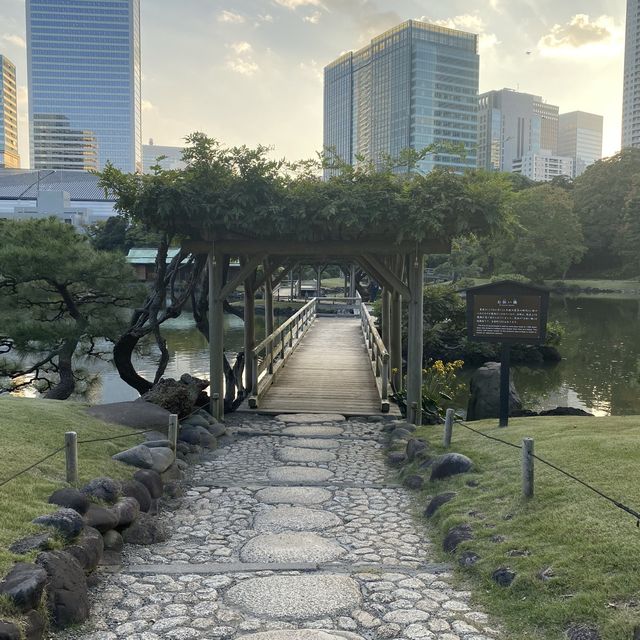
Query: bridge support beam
249, 330
415, 339
386, 318
268, 307
396, 341
216, 334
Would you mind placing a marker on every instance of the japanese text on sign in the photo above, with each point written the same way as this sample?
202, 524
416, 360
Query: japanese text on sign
506, 316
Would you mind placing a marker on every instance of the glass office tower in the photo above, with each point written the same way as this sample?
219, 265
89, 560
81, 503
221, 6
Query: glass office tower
84, 83
413, 86
631, 89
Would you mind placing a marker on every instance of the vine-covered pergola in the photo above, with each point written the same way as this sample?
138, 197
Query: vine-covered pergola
397, 267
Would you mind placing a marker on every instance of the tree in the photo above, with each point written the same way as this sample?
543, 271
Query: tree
58, 296
600, 195
630, 230
546, 238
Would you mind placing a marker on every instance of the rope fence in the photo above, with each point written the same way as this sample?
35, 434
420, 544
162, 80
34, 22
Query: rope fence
528, 457
71, 443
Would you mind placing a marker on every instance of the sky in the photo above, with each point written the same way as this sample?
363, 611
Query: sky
250, 71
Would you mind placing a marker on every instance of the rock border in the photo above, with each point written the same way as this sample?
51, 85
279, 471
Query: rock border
94, 522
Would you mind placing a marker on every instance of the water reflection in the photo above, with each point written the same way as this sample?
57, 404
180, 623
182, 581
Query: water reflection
189, 353
599, 372
601, 355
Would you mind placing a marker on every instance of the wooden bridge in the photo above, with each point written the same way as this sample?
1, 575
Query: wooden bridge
327, 358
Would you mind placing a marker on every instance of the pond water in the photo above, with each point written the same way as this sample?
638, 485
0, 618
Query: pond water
600, 370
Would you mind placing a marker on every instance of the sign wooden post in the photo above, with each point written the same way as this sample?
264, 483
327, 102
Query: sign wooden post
507, 312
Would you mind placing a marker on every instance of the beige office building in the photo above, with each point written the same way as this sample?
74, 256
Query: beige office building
580, 138
9, 158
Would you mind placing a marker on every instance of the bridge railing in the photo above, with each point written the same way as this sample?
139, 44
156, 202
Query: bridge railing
271, 354
379, 356
338, 306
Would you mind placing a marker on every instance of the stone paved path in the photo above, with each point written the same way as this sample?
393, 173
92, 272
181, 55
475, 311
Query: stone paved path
294, 532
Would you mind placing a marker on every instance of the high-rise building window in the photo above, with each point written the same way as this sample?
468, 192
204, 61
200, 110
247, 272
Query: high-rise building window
84, 84
413, 86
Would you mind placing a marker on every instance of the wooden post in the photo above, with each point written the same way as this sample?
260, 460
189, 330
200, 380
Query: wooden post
318, 282
386, 318
216, 335
71, 456
268, 314
173, 431
396, 341
352, 281
300, 282
346, 284
527, 467
415, 347
448, 428
249, 332
505, 365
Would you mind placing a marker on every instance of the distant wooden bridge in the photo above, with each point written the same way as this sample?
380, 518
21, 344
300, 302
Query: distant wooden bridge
327, 358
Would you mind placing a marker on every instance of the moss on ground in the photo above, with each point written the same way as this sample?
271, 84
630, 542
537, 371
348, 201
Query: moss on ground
32, 428
589, 549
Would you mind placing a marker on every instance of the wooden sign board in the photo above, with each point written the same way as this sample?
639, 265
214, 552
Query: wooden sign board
508, 312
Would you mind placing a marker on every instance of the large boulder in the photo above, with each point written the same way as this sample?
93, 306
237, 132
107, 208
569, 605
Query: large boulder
135, 489
138, 456
126, 510
135, 413
9, 631
145, 530
35, 625
455, 536
24, 586
416, 447
101, 518
176, 396
71, 499
88, 549
484, 399
450, 464
196, 421
163, 458
67, 594
566, 411
150, 479
103, 490
437, 501
38, 542
194, 434
67, 522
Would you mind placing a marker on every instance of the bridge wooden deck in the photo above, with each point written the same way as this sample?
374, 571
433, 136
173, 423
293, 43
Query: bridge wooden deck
329, 372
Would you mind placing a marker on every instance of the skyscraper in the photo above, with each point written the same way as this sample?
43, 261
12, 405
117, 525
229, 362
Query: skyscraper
631, 90
580, 138
513, 124
413, 86
9, 158
84, 83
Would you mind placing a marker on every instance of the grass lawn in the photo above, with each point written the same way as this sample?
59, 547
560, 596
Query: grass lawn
30, 429
590, 548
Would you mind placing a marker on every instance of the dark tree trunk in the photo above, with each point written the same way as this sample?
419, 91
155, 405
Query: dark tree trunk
67, 383
122, 354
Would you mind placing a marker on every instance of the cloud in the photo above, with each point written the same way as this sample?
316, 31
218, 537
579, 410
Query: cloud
242, 61
265, 18
15, 40
314, 18
147, 105
241, 47
294, 4
471, 22
312, 69
230, 17
583, 37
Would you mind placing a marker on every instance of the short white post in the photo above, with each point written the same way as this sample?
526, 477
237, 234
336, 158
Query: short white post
173, 431
527, 467
448, 428
71, 456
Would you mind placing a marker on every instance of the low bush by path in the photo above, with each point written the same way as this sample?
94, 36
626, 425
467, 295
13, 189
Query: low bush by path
575, 555
29, 430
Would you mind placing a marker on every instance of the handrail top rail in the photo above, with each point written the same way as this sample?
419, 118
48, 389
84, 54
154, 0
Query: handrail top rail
384, 354
284, 325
